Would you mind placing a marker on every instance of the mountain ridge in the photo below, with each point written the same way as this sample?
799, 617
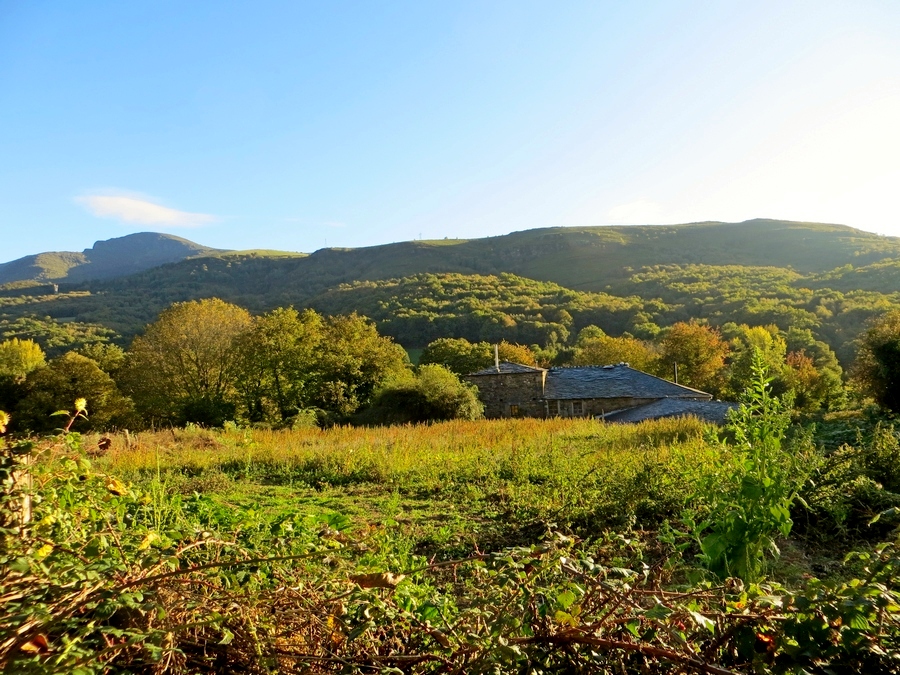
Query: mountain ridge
109, 258
526, 286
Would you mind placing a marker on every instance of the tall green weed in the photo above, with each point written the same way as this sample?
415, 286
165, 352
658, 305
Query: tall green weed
746, 505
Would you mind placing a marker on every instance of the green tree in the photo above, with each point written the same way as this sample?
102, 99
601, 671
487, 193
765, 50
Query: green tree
463, 357
353, 361
109, 357
184, 367
19, 357
699, 352
433, 393
757, 342
456, 354
877, 366
56, 385
278, 364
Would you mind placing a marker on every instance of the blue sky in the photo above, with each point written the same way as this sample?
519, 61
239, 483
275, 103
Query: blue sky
296, 125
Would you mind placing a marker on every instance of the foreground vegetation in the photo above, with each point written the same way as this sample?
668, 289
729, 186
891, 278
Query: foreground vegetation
493, 547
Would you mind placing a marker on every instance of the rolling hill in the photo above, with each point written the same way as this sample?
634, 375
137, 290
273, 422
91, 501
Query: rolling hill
525, 286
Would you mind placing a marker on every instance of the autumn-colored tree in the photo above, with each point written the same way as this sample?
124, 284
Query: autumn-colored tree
877, 367
463, 357
826, 388
801, 376
699, 352
598, 349
19, 357
183, 368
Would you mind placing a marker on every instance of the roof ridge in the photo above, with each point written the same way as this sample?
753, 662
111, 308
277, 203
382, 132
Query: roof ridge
621, 364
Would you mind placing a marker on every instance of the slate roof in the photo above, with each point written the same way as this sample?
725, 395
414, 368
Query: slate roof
710, 411
620, 381
506, 368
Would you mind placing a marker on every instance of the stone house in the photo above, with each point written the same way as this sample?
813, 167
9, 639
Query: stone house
513, 390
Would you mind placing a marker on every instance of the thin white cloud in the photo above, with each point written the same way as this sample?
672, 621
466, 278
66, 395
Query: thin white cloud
139, 210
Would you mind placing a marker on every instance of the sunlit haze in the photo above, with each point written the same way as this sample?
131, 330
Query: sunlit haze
297, 126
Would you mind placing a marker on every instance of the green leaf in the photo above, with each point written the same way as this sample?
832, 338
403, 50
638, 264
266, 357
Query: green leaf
658, 611
859, 622
633, 627
565, 599
703, 622
886, 513
19, 565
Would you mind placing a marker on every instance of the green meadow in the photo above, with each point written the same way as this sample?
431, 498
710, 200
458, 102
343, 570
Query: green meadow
502, 546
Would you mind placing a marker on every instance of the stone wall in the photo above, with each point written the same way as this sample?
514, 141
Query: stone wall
593, 407
511, 394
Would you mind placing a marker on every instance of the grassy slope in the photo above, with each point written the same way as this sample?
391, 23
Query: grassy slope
40, 267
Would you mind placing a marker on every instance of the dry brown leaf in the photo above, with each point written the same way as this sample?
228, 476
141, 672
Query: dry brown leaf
441, 638
378, 579
36, 645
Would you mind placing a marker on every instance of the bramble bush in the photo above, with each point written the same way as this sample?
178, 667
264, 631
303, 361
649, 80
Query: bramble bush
112, 577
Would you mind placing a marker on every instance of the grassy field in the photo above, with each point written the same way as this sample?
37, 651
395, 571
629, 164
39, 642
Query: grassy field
512, 546
451, 487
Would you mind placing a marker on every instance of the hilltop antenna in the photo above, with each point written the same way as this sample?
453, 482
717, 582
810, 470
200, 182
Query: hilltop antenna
497, 357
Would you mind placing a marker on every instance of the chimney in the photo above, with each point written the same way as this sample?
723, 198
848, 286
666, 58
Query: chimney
676, 372
497, 357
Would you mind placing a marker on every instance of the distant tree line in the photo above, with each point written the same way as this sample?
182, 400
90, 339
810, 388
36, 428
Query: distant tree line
209, 361
706, 358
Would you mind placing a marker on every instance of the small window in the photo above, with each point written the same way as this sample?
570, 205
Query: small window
513, 410
577, 408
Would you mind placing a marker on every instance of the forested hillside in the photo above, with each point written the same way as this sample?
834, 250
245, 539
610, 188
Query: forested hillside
531, 287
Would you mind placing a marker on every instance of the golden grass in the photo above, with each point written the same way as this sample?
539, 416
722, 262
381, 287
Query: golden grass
519, 450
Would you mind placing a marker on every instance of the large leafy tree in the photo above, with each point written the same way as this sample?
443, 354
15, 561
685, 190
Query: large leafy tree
877, 367
278, 363
108, 356
184, 367
816, 384
699, 352
433, 393
749, 344
19, 357
58, 384
352, 362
